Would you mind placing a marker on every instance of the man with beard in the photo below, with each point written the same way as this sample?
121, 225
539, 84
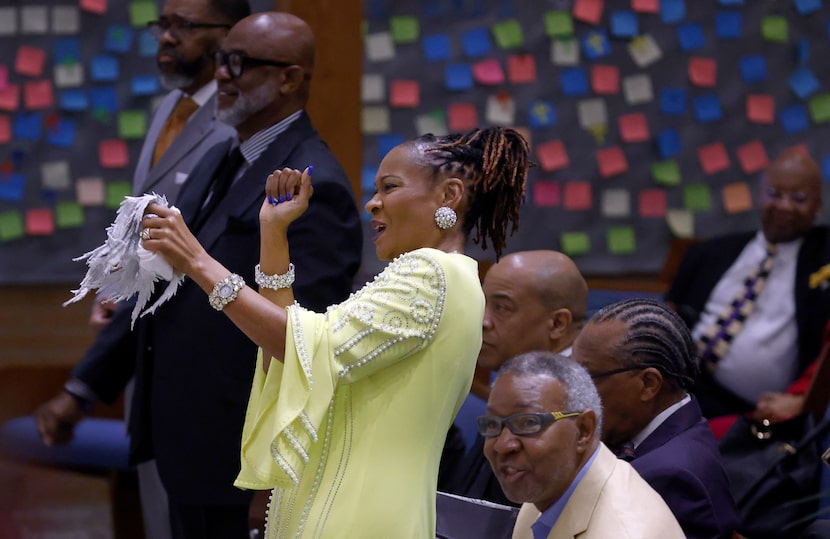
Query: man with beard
193, 367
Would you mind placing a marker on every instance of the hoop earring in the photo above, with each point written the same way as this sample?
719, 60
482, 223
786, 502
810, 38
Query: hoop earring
445, 217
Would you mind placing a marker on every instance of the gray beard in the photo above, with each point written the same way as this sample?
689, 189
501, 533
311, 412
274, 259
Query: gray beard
175, 81
246, 106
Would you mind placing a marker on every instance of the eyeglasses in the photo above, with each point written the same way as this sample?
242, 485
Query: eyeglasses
796, 197
179, 27
237, 62
525, 424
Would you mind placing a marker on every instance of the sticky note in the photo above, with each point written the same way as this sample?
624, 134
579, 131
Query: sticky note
104, 98
5, 129
681, 223
405, 93
595, 44
794, 118
374, 120
142, 12
476, 42
760, 108
752, 156
508, 34
10, 97
575, 243
753, 68
775, 28
94, 6
34, 20
668, 143
112, 153
372, 88
118, 38
552, 155
8, 21
633, 127
690, 37
589, 11
558, 24
436, 47
500, 110
673, 101
67, 50
462, 117
703, 72
62, 134
564, 52
104, 68
805, 7
573, 81
488, 72
144, 85
30, 61
132, 124
65, 20
37, 94
637, 89
592, 113
521, 68
728, 25
546, 194
644, 50
73, 100
652, 203
615, 203
578, 195
697, 197
803, 82
458, 76
40, 222
646, 6
624, 24
115, 193
731, 2
147, 44
385, 144
11, 223
55, 175
736, 197
621, 240
820, 108
707, 108
405, 29
89, 191
672, 11
28, 126
11, 187
713, 158
69, 215
379, 47
4, 76
611, 161
605, 79
69, 75
541, 113
666, 172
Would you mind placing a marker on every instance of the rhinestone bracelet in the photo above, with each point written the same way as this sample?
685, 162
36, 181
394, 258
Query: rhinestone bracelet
274, 282
225, 291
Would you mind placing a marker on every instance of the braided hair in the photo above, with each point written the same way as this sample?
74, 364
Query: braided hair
494, 161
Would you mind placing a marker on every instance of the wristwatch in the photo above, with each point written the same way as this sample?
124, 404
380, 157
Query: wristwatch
225, 291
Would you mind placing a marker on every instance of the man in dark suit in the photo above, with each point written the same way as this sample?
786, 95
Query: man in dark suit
193, 367
782, 334
643, 362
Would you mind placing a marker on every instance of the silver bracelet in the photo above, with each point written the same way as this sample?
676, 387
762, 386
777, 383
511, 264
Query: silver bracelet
225, 291
274, 282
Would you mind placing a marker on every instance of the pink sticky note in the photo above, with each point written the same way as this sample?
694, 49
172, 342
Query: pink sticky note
703, 72
94, 6
605, 79
90, 191
652, 203
40, 222
611, 161
713, 158
113, 153
578, 195
10, 97
405, 94
521, 68
488, 72
589, 11
552, 155
38, 94
736, 197
4, 76
462, 117
634, 127
29, 61
752, 156
5, 129
547, 194
645, 6
760, 108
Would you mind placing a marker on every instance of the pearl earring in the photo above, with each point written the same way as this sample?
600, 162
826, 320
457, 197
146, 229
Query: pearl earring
445, 217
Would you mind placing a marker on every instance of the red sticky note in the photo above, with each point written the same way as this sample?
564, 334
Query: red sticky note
760, 108
94, 6
5, 129
29, 61
552, 155
634, 127
645, 6
547, 194
40, 222
462, 117
38, 94
488, 72
652, 203
112, 153
605, 79
4, 76
703, 72
753, 157
405, 94
589, 11
578, 195
10, 97
611, 161
521, 68
736, 197
713, 158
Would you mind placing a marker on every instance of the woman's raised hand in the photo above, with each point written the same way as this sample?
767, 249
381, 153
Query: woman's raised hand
287, 192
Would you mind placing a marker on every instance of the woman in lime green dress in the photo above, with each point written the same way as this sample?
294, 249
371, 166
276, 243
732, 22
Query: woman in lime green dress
348, 424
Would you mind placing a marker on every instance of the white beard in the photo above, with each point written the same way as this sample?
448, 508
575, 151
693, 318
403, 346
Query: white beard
246, 106
175, 81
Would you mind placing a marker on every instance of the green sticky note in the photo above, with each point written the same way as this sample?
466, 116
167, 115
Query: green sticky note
132, 124
775, 28
559, 24
142, 12
11, 225
697, 197
575, 243
621, 240
508, 34
666, 172
116, 191
101, 114
820, 108
404, 29
69, 215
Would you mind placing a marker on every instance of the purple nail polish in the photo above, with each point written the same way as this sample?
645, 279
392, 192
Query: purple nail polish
272, 201
287, 196
310, 169
282, 198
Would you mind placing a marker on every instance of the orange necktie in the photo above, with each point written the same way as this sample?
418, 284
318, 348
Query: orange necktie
181, 112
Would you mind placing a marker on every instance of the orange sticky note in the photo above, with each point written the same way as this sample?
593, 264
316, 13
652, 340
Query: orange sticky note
652, 203
605, 79
552, 155
94, 6
38, 94
10, 97
488, 72
611, 161
29, 61
589, 11
5, 129
112, 153
752, 156
521, 68
713, 158
703, 72
634, 127
760, 108
405, 94
462, 117
645, 6
736, 197
547, 194
40, 222
578, 195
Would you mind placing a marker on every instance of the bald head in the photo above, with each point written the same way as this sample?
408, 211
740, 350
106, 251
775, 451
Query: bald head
555, 278
790, 196
282, 35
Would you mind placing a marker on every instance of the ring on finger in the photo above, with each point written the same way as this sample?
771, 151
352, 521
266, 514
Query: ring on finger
145, 234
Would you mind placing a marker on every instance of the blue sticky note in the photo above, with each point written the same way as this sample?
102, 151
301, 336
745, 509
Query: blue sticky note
690, 36
541, 113
458, 76
624, 23
729, 24
476, 42
437, 47
62, 134
67, 50
27, 126
668, 143
825, 168
794, 118
807, 6
802, 51
574, 81
731, 2
118, 38
147, 44
386, 143
753, 68
377, 9
104, 68
367, 179
595, 44
145, 85
673, 101
707, 108
73, 99
104, 98
803, 83
434, 8
11, 186
672, 11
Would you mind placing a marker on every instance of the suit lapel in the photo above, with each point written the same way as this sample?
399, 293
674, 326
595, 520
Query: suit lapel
580, 507
143, 166
684, 418
196, 187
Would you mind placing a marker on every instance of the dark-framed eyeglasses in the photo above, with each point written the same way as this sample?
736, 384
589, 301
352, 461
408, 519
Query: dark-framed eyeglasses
524, 424
237, 62
179, 26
